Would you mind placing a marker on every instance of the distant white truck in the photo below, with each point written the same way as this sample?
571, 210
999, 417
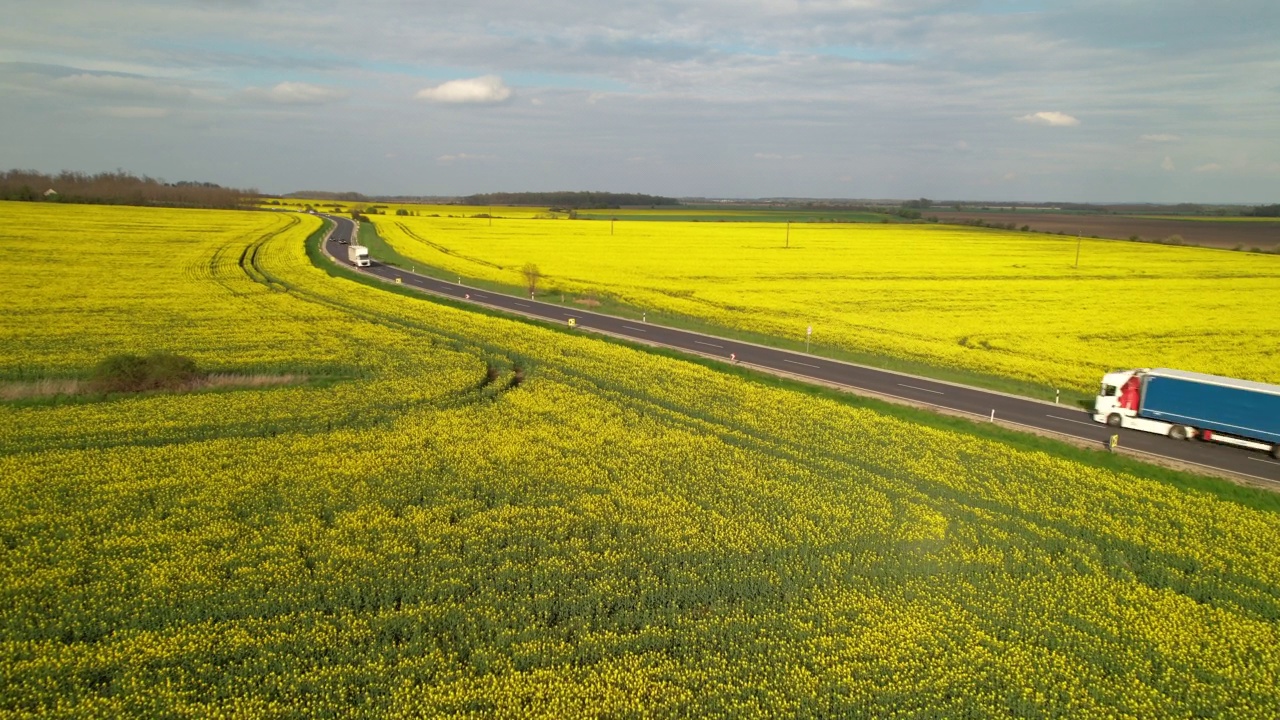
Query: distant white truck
358, 255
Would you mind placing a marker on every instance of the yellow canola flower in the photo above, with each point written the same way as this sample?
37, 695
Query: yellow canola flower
980, 300
617, 535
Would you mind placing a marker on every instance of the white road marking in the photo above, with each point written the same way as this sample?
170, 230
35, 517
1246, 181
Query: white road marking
575, 317
709, 344
523, 304
1078, 422
797, 362
481, 295
913, 387
634, 328
1057, 432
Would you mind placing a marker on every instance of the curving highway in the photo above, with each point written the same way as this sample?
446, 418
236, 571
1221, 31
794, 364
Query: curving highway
1039, 416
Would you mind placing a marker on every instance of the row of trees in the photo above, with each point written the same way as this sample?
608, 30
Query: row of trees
570, 200
327, 195
117, 188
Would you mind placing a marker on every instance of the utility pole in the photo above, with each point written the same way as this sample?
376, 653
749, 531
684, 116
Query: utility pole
788, 234
1077, 250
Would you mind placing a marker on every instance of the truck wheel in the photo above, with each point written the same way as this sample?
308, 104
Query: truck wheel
1114, 420
1180, 432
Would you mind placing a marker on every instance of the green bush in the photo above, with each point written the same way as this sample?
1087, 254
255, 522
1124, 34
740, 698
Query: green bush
136, 373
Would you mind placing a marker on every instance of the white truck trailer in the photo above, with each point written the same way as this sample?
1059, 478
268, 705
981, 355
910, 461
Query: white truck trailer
1186, 405
358, 255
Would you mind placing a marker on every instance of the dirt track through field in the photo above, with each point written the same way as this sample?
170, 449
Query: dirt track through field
1209, 233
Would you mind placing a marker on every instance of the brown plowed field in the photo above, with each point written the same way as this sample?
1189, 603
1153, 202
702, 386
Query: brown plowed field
1246, 234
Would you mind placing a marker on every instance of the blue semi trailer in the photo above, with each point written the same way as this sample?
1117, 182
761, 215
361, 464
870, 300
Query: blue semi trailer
1185, 405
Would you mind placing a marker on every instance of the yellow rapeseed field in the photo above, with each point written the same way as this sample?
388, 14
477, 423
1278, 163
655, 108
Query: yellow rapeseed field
973, 300
480, 517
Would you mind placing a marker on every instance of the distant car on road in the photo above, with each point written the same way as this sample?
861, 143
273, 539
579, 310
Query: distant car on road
342, 241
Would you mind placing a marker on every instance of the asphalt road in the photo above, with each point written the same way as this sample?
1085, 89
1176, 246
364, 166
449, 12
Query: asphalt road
975, 402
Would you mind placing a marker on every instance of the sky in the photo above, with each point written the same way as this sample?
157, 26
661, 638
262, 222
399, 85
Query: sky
1019, 100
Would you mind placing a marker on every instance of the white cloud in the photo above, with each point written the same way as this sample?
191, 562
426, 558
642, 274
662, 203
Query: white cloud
296, 93
681, 86
1209, 167
462, 157
1168, 165
1053, 118
484, 89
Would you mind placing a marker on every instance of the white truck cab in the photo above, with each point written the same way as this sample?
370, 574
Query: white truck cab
1119, 403
1106, 407
358, 255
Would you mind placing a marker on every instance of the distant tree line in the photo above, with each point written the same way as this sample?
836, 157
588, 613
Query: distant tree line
1265, 211
908, 210
569, 200
325, 195
117, 188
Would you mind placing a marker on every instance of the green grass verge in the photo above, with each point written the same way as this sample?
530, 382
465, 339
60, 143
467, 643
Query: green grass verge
392, 258
383, 252
1226, 490
1249, 496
